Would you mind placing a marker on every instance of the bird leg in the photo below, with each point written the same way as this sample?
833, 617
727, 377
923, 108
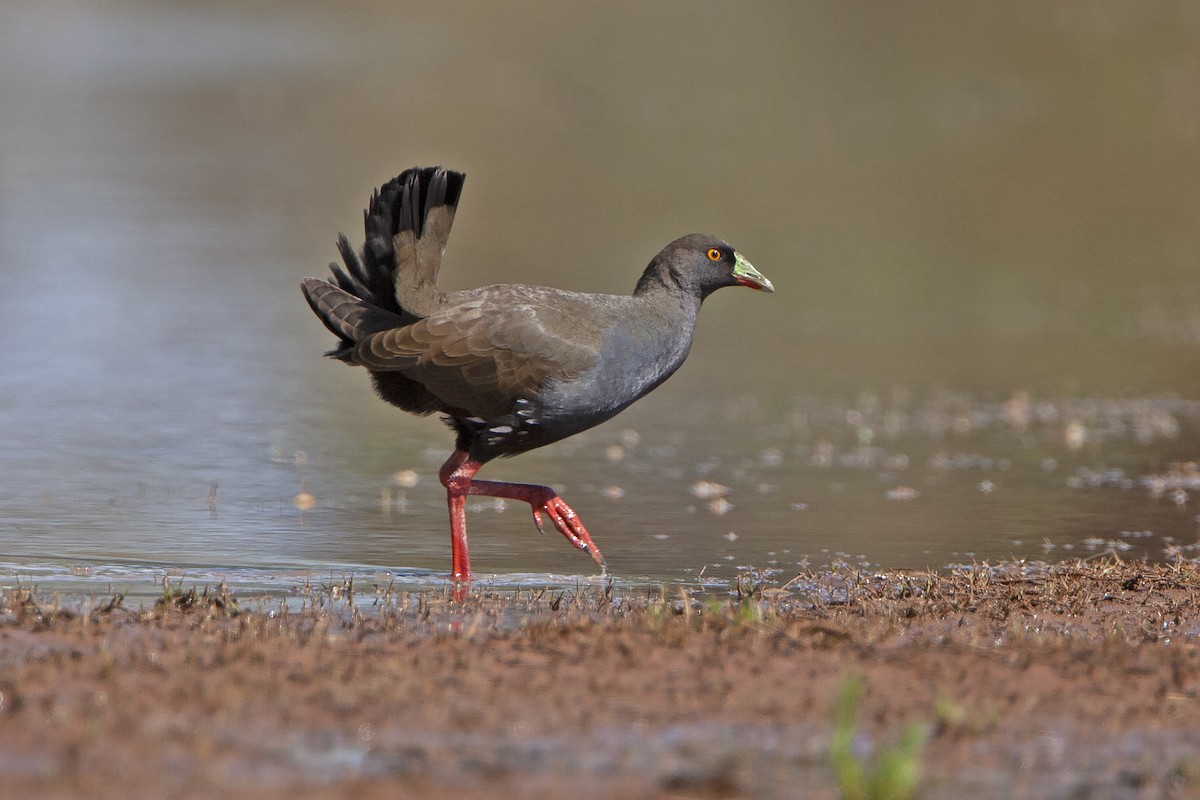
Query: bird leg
457, 479
457, 475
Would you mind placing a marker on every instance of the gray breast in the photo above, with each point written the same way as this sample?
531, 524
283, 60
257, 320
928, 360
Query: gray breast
628, 366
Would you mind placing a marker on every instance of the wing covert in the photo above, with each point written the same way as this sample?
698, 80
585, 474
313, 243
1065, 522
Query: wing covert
478, 358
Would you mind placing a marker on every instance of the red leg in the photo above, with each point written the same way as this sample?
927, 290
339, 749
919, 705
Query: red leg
457, 475
457, 479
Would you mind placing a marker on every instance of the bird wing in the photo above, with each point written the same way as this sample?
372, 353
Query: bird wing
480, 357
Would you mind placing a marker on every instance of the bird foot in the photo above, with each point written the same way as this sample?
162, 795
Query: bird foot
567, 522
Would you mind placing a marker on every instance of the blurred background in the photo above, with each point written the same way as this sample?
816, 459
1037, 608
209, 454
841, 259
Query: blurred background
983, 223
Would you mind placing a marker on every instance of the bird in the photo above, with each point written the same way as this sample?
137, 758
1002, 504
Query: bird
510, 367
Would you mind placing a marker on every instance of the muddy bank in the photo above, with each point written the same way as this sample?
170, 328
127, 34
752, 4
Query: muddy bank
1074, 680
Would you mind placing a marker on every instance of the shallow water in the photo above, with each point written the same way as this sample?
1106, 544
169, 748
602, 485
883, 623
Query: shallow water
983, 342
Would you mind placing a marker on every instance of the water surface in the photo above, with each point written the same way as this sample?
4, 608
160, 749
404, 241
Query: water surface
982, 226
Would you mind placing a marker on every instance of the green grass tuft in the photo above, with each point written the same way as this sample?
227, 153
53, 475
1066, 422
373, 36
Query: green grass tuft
887, 774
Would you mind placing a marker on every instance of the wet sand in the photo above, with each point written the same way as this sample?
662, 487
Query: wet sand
1029, 680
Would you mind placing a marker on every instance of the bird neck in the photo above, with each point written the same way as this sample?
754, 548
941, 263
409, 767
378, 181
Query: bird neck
667, 315
661, 288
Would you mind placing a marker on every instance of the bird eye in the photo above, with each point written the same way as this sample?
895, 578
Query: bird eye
714, 254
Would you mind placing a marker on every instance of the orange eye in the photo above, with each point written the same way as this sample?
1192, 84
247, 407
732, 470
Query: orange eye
714, 254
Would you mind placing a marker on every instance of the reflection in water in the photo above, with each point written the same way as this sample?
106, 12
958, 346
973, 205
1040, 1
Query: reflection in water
997, 214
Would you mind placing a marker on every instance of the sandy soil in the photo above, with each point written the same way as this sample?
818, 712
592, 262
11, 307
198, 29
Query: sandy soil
1069, 681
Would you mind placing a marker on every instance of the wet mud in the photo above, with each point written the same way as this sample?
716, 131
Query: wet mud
1076, 679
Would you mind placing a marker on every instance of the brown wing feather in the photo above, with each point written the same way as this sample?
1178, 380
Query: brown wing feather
418, 261
480, 358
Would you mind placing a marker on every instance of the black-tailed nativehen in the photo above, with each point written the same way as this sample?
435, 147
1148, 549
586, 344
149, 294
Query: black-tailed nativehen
511, 367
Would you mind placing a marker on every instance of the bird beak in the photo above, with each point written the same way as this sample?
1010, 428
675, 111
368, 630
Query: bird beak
746, 275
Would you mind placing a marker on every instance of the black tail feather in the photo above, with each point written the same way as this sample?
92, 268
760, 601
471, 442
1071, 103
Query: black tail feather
362, 297
402, 204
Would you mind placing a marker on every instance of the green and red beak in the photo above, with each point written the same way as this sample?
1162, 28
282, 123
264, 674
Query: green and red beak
746, 275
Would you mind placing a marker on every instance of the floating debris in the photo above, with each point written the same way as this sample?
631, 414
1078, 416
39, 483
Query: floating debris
613, 492
304, 501
720, 506
1136, 534
902, 493
1075, 435
771, 457
406, 478
707, 490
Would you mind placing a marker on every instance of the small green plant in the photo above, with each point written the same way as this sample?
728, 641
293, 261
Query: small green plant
887, 774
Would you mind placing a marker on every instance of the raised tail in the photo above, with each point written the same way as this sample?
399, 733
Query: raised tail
347, 316
394, 279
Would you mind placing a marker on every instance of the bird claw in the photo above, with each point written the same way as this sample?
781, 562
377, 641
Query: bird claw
537, 520
569, 525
